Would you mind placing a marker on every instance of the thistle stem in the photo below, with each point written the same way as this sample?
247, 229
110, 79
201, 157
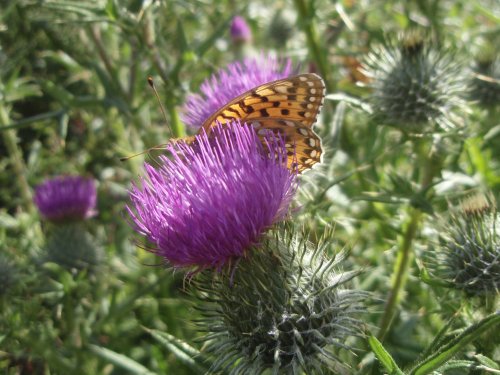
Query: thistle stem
431, 167
175, 121
16, 157
309, 27
101, 50
401, 270
317, 50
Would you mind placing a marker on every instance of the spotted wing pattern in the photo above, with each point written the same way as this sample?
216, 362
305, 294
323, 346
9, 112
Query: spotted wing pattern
289, 106
302, 144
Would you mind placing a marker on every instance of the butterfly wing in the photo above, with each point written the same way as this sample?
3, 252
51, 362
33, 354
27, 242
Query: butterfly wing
289, 105
302, 143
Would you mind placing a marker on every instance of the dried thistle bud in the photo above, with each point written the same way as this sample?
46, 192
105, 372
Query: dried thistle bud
285, 308
468, 253
417, 85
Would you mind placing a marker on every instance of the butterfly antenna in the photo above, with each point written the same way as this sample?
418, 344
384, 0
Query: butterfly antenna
125, 158
152, 84
147, 151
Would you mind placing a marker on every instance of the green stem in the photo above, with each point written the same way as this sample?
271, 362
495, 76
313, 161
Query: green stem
101, 50
306, 21
16, 157
431, 163
175, 121
405, 256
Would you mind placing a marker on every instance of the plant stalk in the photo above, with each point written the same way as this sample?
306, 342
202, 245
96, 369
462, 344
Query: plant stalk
16, 158
432, 165
405, 256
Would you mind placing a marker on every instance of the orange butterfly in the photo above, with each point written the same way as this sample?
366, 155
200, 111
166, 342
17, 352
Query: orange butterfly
288, 106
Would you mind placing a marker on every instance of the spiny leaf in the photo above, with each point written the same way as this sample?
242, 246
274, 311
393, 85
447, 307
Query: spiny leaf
185, 353
120, 360
449, 350
383, 356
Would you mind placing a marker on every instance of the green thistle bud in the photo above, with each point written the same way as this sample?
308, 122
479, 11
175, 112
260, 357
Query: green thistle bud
280, 29
417, 86
71, 246
285, 308
467, 257
484, 85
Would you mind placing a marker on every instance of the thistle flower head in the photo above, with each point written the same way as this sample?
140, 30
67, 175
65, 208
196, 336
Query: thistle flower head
240, 31
484, 86
214, 198
287, 308
66, 198
229, 83
417, 85
468, 255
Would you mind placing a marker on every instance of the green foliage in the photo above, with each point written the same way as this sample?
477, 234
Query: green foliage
74, 99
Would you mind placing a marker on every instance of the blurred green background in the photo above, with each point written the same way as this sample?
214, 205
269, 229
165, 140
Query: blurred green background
74, 99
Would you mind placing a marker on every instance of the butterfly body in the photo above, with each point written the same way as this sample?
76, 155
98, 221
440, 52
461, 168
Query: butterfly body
287, 106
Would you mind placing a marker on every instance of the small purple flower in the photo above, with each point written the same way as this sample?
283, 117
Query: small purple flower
66, 198
240, 31
229, 83
215, 198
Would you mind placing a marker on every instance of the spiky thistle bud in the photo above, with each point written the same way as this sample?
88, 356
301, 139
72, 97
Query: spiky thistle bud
484, 85
417, 85
280, 28
73, 247
468, 253
66, 202
285, 308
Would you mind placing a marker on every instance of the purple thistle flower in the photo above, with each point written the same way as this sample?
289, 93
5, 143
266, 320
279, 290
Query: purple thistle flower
229, 83
66, 198
214, 199
240, 31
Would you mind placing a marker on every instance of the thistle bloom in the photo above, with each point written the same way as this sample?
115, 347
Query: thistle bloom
66, 198
240, 31
214, 198
231, 82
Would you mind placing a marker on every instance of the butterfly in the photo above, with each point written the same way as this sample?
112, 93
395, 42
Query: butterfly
288, 106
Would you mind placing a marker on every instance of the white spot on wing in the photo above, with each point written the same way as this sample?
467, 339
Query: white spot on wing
281, 89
